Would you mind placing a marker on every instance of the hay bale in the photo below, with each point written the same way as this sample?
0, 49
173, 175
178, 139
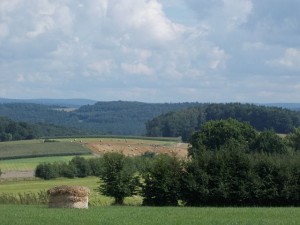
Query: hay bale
69, 197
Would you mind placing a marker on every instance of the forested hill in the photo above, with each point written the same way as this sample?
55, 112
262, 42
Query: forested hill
11, 130
73, 103
122, 117
164, 119
116, 117
184, 122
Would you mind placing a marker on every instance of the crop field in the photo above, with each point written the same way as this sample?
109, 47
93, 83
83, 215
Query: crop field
39, 148
36, 215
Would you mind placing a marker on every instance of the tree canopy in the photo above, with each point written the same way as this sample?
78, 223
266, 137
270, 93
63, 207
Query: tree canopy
186, 121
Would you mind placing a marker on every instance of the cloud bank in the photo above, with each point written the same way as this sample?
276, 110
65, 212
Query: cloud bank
151, 50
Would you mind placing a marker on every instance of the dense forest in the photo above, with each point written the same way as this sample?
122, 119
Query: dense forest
12, 131
184, 122
117, 117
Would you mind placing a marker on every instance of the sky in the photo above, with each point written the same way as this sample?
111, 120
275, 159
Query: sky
151, 50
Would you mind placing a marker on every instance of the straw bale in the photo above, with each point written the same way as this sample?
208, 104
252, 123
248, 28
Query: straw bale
68, 197
77, 191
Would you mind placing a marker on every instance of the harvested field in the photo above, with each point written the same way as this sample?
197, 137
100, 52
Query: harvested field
133, 147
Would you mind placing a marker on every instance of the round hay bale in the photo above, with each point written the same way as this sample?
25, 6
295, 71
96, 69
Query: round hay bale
69, 197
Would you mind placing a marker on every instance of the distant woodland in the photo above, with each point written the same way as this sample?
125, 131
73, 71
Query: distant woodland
135, 118
184, 122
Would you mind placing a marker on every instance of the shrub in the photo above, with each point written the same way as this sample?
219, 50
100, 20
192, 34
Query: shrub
82, 166
47, 171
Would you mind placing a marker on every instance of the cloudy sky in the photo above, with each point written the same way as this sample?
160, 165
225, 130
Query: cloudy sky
151, 50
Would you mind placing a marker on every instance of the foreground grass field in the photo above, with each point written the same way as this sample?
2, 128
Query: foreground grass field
36, 215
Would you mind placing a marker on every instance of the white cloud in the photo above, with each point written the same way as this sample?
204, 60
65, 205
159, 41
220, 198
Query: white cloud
137, 68
154, 50
101, 68
35, 78
290, 59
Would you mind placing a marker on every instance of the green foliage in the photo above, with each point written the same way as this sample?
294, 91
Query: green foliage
116, 117
185, 121
213, 135
77, 167
161, 186
47, 171
118, 176
269, 142
232, 165
82, 166
294, 139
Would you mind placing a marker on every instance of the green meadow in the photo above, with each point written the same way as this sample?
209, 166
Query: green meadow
16, 187
39, 148
30, 163
112, 215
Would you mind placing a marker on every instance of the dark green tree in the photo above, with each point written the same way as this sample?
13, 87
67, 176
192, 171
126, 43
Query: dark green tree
215, 134
83, 168
269, 142
194, 180
161, 186
118, 177
47, 171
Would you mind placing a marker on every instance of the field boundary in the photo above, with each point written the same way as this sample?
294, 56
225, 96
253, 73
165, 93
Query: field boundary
167, 139
44, 155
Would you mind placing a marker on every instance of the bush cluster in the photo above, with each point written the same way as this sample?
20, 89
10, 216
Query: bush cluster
77, 167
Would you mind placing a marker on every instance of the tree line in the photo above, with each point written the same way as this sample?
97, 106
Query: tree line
12, 131
184, 122
115, 117
229, 163
151, 119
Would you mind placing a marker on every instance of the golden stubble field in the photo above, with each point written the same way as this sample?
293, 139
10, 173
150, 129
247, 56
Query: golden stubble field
135, 147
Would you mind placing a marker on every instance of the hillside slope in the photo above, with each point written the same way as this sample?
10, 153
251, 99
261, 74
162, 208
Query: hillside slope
116, 117
184, 122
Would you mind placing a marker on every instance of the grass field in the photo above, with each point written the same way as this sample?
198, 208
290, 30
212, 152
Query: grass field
38, 148
31, 163
37, 185
36, 215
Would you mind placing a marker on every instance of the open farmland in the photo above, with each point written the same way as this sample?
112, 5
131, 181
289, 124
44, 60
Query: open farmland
39, 148
133, 147
36, 215
18, 159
